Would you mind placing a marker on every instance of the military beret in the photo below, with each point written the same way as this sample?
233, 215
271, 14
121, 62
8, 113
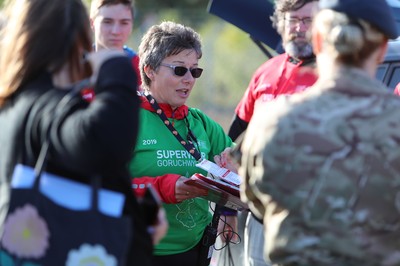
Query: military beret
377, 12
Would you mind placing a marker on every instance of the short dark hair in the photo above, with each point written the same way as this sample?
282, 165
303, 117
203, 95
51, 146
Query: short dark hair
163, 40
97, 4
283, 6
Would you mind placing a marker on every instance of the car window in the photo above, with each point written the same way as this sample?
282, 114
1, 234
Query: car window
380, 72
389, 71
394, 76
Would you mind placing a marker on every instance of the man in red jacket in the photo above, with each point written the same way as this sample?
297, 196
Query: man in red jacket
288, 73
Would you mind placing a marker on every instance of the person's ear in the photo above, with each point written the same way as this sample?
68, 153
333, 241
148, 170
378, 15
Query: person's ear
149, 72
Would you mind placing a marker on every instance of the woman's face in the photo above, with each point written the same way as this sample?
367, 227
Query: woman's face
166, 86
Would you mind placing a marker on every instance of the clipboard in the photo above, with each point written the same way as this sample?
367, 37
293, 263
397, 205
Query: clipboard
219, 191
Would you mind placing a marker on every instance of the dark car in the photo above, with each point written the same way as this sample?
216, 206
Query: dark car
252, 16
389, 71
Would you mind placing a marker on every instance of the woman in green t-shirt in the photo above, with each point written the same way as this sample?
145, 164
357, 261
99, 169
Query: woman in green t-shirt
169, 55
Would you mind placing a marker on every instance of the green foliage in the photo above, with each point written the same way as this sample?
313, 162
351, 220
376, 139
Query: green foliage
151, 4
229, 60
87, 3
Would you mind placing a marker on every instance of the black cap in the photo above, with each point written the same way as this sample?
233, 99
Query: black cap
377, 12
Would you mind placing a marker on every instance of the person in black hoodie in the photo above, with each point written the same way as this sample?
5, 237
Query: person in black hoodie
39, 64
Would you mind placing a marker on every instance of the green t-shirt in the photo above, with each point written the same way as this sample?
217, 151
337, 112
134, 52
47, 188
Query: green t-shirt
158, 152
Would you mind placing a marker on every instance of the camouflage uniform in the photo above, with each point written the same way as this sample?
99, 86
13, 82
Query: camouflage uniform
323, 171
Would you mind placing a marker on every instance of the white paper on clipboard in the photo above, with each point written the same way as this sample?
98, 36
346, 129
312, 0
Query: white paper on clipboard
220, 172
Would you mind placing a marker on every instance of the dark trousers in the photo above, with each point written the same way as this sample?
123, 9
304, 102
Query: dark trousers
188, 258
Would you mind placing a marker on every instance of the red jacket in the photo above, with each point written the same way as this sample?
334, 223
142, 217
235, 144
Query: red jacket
278, 76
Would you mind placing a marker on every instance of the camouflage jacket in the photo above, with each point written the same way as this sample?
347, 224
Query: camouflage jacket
322, 168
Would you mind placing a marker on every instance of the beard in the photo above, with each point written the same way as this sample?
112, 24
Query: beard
299, 49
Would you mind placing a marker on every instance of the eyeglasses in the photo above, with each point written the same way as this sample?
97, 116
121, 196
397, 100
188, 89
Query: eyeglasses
181, 71
295, 21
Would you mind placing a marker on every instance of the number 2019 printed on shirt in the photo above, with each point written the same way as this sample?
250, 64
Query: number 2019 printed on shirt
149, 141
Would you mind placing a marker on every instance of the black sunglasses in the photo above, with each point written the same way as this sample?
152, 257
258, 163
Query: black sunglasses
181, 71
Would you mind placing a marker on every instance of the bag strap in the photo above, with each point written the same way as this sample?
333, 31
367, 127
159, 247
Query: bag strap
188, 145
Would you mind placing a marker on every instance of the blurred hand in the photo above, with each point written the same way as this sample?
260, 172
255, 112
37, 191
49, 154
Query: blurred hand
96, 59
225, 160
159, 230
227, 229
184, 191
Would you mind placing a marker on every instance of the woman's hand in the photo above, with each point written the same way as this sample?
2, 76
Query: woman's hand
224, 160
159, 230
184, 191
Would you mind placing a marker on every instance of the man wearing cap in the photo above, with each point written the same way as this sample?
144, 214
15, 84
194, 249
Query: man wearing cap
287, 73
323, 169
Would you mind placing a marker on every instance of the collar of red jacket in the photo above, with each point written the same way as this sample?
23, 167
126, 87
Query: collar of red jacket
178, 113
301, 62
